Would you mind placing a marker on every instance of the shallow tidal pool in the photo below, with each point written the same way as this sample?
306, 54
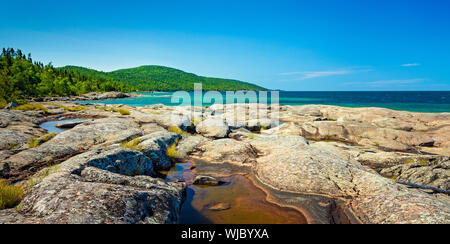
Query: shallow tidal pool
238, 201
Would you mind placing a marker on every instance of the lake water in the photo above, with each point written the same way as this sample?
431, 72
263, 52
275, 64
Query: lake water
433, 102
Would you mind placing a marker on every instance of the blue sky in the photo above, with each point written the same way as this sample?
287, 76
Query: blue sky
299, 45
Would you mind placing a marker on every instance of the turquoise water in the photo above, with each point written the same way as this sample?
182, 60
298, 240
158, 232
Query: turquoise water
432, 102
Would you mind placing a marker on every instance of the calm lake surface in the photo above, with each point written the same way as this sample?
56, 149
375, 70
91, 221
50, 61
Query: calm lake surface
432, 102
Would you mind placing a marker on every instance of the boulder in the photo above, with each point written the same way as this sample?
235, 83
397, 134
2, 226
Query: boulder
10, 139
212, 127
188, 144
155, 145
214, 206
69, 124
207, 181
226, 150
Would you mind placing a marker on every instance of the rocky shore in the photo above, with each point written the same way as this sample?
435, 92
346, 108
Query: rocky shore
333, 164
88, 96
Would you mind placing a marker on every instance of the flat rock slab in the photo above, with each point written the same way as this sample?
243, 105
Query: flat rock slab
309, 170
100, 133
94, 188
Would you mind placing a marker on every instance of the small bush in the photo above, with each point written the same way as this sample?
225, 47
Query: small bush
102, 108
177, 130
71, 109
133, 144
10, 195
77, 108
172, 150
34, 142
32, 107
121, 111
124, 111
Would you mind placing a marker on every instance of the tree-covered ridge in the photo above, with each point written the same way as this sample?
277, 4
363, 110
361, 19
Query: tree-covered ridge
160, 78
20, 77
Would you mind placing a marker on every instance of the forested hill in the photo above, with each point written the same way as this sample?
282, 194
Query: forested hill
159, 78
22, 77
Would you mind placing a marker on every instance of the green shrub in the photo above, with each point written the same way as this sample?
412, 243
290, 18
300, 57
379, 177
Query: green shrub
177, 130
124, 111
133, 144
32, 107
101, 108
10, 195
34, 142
121, 111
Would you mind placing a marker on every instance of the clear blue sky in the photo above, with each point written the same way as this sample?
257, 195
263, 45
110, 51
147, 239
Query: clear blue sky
289, 45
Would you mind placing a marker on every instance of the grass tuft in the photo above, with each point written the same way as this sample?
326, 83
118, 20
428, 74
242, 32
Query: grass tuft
32, 107
34, 142
10, 195
133, 144
177, 130
423, 162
